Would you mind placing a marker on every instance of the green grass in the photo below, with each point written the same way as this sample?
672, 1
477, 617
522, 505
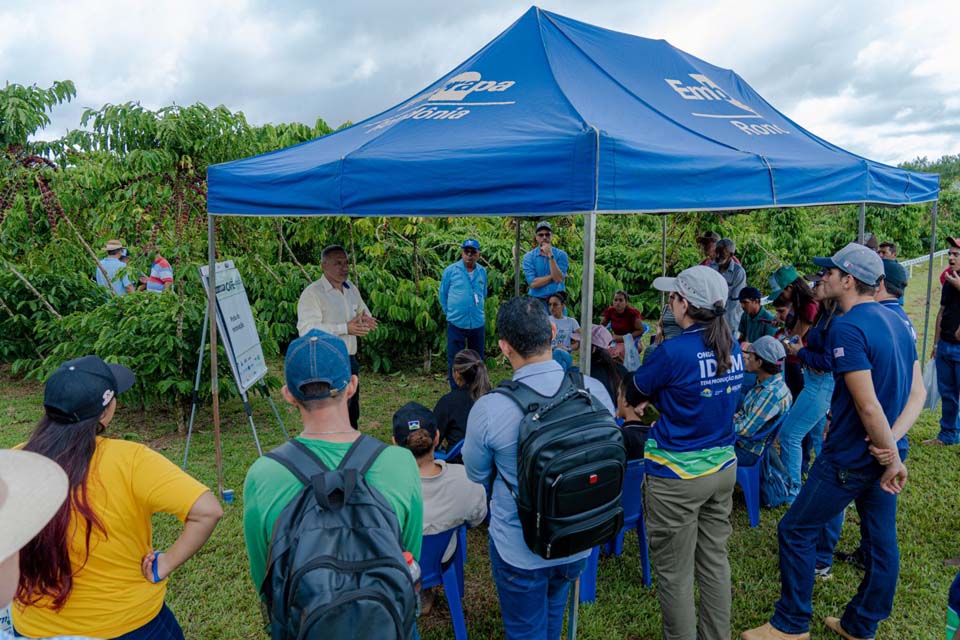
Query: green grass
213, 597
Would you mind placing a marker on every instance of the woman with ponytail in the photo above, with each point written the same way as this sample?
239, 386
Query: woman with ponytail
694, 381
472, 380
92, 570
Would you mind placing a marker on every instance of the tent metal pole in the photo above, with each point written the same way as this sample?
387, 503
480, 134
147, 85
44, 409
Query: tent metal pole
663, 255
214, 381
926, 313
586, 289
861, 222
516, 261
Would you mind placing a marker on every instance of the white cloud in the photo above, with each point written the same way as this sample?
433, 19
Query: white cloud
879, 78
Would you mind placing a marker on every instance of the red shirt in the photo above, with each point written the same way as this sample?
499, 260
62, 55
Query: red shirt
622, 323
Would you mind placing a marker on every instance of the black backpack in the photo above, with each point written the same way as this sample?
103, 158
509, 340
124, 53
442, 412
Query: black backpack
571, 462
336, 567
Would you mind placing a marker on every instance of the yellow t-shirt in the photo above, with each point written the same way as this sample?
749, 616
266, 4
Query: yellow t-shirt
126, 484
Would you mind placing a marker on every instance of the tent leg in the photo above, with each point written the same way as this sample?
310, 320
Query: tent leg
926, 313
861, 222
663, 256
516, 261
586, 289
214, 381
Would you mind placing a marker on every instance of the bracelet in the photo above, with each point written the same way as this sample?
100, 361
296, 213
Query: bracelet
156, 574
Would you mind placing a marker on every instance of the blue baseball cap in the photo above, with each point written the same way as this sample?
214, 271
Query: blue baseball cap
471, 243
317, 356
857, 260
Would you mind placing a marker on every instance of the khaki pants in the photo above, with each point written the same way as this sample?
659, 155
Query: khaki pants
688, 523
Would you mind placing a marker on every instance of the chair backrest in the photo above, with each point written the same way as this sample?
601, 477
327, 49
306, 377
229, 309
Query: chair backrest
769, 433
431, 555
452, 453
631, 489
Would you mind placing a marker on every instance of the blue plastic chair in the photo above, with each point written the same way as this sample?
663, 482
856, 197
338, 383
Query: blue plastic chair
452, 577
446, 455
749, 477
632, 519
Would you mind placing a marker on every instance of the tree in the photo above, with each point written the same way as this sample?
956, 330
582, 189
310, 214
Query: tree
23, 110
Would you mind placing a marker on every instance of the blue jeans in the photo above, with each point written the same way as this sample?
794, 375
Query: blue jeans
457, 340
830, 534
532, 601
828, 490
164, 626
806, 414
948, 384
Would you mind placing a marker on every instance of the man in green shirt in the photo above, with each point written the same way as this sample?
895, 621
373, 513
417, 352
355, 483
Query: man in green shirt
319, 384
755, 321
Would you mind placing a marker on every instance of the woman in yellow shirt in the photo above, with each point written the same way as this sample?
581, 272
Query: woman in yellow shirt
92, 570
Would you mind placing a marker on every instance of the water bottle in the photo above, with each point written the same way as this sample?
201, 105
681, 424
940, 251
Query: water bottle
415, 574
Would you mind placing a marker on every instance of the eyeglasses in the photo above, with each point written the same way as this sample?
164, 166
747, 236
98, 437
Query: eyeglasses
470, 252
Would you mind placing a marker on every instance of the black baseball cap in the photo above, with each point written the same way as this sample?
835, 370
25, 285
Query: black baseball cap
411, 417
81, 389
749, 293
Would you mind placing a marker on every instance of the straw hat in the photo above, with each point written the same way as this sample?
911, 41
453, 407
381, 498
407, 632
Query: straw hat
113, 245
32, 488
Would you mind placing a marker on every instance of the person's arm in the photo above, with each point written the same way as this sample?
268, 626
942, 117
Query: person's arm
860, 385
908, 416
936, 332
637, 326
530, 269
477, 511
739, 282
444, 291
201, 520
477, 457
559, 265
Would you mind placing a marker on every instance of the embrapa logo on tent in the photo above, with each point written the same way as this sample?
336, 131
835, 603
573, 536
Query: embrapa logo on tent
706, 90
453, 96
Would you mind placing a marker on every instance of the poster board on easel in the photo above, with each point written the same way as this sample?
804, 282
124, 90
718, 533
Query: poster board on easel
236, 324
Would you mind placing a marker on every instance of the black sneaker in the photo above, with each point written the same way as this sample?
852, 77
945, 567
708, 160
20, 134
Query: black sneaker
854, 559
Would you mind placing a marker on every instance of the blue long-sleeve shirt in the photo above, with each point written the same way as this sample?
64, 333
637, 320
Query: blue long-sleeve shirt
491, 444
815, 354
462, 295
536, 265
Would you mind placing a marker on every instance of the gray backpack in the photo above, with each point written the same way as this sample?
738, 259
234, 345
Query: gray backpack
336, 567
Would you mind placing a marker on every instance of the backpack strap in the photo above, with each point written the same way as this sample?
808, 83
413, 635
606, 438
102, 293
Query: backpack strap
298, 459
362, 454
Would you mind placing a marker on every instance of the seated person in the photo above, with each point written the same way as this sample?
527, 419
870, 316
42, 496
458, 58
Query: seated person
765, 402
449, 498
623, 320
602, 365
568, 329
634, 430
472, 380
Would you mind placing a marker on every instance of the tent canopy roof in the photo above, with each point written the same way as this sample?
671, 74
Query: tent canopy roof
558, 116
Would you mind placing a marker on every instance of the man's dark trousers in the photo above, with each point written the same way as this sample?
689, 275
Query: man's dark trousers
459, 339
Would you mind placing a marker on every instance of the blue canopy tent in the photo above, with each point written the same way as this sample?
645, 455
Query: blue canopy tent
556, 116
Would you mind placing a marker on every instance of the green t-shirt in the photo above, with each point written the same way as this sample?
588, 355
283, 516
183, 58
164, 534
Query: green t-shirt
269, 487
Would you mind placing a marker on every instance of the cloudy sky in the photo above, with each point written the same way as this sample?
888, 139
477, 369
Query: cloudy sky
879, 78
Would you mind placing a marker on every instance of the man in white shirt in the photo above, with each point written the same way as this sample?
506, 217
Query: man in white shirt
333, 304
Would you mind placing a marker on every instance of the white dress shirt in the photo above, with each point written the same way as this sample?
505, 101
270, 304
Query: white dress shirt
324, 307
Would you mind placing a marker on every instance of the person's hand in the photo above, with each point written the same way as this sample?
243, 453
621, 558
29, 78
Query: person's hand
894, 477
146, 566
369, 321
359, 326
883, 456
953, 278
628, 412
793, 348
545, 249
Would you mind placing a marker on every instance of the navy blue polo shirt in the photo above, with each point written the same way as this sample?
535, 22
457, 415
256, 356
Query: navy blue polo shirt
694, 434
871, 338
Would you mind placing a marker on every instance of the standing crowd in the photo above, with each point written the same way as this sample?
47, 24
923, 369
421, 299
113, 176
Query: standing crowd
821, 394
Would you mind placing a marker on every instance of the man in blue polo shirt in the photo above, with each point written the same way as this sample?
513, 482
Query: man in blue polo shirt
463, 292
545, 267
879, 393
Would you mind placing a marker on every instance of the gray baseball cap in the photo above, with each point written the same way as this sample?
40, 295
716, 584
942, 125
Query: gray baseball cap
859, 261
702, 286
768, 349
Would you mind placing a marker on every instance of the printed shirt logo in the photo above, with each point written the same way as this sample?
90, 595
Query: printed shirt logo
107, 396
706, 90
838, 352
413, 424
449, 102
